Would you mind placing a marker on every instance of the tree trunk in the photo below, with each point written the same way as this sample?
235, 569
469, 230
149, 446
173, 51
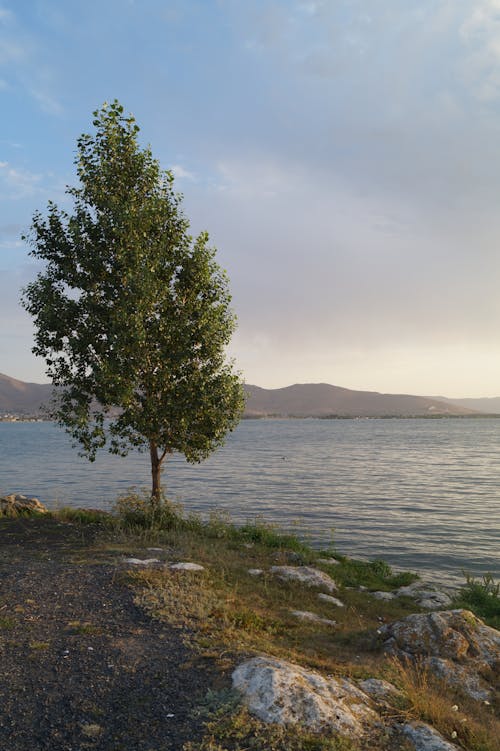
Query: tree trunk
155, 474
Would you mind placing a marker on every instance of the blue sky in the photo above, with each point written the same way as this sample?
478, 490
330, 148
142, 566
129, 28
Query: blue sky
344, 156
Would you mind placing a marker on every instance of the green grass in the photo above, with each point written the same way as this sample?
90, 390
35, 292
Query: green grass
482, 597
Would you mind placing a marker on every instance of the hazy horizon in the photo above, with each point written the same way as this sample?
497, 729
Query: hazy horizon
345, 159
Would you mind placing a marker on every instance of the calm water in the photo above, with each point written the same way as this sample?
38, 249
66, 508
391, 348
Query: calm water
423, 494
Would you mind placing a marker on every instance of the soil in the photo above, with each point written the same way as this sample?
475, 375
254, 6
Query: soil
81, 666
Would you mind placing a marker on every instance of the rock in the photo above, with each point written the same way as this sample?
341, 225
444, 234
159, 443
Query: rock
433, 599
328, 561
425, 738
380, 690
278, 691
454, 644
306, 575
332, 600
186, 566
383, 595
255, 571
141, 561
155, 550
306, 615
425, 597
13, 504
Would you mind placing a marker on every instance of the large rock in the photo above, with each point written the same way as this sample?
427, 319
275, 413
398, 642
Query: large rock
424, 738
454, 644
305, 575
12, 505
278, 691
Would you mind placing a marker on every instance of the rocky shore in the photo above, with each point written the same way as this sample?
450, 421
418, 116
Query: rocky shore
122, 638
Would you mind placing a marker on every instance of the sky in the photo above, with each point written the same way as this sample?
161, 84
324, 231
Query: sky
344, 156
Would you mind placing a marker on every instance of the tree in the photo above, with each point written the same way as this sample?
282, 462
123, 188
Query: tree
132, 314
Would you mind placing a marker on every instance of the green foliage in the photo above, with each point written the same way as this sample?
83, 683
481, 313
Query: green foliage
482, 597
84, 516
132, 314
375, 574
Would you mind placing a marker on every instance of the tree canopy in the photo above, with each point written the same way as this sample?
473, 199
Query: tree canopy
132, 314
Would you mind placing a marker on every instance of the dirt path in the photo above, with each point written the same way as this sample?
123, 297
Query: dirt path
81, 666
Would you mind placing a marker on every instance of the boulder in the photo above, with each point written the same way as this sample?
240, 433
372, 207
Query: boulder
332, 600
454, 644
380, 690
308, 575
186, 566
424, 738
384, 595
306, 615
279, 691
425, 596
11, 505
141, 561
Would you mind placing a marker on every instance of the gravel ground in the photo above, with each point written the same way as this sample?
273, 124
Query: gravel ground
81, 666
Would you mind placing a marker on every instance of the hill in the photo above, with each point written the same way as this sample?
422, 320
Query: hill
490, 404
300, 400
22, 398
323, 400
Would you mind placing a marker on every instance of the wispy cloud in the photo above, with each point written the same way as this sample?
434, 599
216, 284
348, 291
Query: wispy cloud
17, 182
181, 173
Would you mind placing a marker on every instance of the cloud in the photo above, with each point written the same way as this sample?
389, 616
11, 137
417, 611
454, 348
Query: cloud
181, 172
16, 183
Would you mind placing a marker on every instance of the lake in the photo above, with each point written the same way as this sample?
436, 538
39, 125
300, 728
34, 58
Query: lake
422, 494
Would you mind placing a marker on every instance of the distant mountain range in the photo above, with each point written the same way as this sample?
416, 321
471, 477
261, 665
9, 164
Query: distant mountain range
324, 400
299, 400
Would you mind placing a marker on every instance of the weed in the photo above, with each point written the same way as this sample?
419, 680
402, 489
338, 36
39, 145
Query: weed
229, 727
482, 597
452, 714
375, 574
83, 516
6, 622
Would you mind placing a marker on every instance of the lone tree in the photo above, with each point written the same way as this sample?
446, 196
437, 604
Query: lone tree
131, 313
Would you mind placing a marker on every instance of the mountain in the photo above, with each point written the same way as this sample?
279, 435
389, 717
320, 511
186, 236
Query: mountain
488, 404
22, 398
322, 400
300, 400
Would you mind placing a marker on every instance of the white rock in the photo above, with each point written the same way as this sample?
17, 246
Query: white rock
186, 566
425, 738
255, 571
141, 561
278, 691
306, 575
332, 600
328, 561
425, 597
306, 615
379, 689
383, 595
155, 550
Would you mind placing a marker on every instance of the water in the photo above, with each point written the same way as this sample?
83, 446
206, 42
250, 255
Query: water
422, 494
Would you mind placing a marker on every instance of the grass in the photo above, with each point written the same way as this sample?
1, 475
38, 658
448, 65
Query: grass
460, 719
228, 726
226, 614
482, 597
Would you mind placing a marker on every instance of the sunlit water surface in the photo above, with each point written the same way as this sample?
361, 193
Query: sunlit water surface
422, 494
